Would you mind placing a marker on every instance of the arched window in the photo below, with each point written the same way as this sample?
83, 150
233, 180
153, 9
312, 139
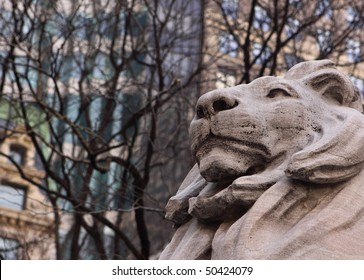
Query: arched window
17, 153
12, 196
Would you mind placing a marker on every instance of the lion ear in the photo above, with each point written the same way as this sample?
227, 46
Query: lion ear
323, 77
334, 85
336, 157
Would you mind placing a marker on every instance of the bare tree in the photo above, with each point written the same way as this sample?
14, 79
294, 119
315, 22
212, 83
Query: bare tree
268, 37
100, 74
105, 90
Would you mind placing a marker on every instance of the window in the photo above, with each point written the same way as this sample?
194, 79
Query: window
295, 3
261, 19
225, 78
230, 8
359, 83
12, 196
352, 16
6, 123
139, 22
111, 23
324, 39
27, 71
103, 68
323, 7
227, 44
291, 60
261, 55
353, 50
292, 27
71, 67
8, 248
18, 154
84, 26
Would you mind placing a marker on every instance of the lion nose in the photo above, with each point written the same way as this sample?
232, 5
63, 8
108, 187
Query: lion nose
212, 103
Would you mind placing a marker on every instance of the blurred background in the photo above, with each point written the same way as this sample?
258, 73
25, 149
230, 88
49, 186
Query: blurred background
96, 97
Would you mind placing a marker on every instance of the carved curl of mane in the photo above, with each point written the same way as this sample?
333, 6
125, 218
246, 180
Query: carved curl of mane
305, 202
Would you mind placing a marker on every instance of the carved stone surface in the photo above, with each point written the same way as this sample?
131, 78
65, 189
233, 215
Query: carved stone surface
280, 171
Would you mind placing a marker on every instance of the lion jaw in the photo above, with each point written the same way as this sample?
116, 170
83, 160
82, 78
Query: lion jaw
227, 159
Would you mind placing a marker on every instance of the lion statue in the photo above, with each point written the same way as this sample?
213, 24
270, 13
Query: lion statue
279, 171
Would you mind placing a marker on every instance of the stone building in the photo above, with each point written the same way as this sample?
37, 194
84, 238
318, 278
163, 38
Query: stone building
26, 220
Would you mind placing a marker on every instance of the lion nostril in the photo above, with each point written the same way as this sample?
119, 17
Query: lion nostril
222, 105
212, 103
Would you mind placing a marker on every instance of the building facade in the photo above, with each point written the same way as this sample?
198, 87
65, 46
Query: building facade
26, 220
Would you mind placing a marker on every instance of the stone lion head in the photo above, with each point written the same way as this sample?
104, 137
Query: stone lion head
301, 126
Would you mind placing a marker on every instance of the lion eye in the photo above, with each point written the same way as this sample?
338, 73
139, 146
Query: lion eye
278, 92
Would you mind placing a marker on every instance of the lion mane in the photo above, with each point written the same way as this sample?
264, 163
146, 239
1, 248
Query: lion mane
279, 171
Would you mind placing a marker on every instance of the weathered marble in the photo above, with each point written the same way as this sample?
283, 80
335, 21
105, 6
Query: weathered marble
280, 171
